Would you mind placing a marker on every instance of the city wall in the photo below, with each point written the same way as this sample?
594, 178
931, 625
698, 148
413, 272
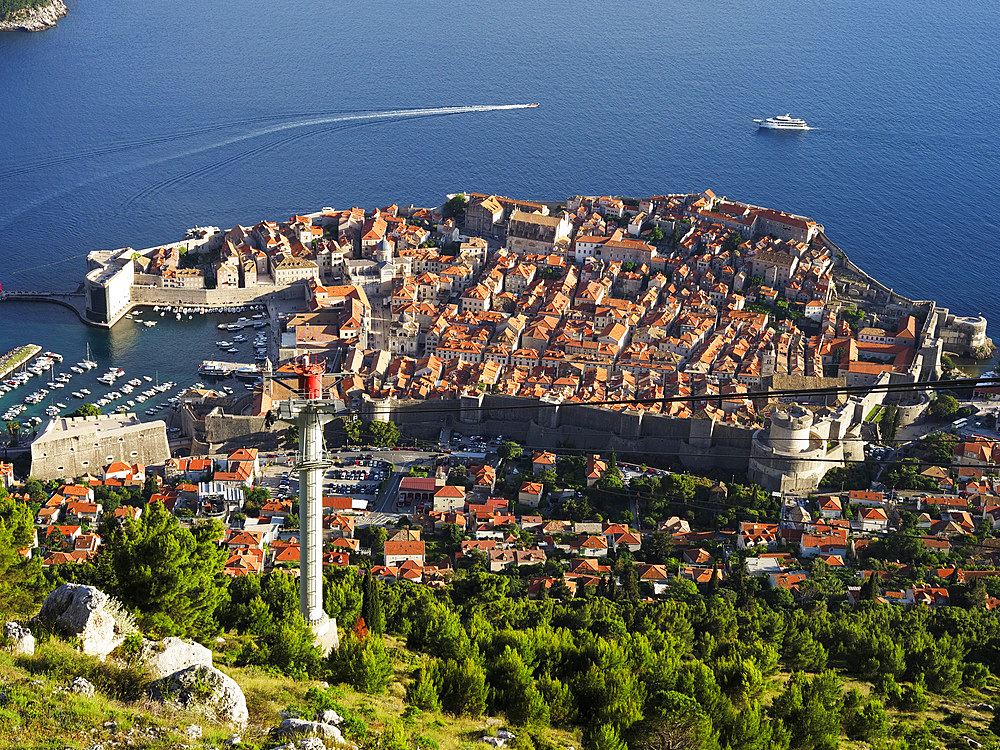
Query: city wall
179, 296
698, 443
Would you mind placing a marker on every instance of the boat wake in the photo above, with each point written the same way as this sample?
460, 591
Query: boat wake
339, 119
340, 122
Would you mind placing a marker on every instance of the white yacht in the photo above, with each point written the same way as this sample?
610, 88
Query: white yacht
782, 122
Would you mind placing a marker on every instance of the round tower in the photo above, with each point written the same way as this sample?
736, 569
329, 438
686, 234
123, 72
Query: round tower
790, 430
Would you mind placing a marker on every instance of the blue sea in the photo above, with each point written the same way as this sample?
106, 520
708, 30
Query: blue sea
129, 123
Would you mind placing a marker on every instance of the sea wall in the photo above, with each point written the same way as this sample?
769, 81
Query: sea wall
149, 295
35, 19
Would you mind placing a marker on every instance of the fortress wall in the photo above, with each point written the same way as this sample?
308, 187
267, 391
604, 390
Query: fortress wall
147, 295
222, 428
659, 426
57, 457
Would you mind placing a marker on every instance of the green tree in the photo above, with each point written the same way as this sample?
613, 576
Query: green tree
352, 428
254, 498
462, 687
379, 537
674, 721
381, 433
86, 410
169, 574
453, 538
604, 738
421, 692
943, 407
658, 547
361, 663
509, 451
809, 708
371, 604
36, 491
455, 206
21, 583
513, 691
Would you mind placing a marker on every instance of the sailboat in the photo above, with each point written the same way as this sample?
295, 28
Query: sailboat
88, 362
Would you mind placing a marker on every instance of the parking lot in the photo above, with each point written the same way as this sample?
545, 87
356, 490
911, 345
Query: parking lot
352, 475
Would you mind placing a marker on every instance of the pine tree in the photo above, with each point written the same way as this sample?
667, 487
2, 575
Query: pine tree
462, 687
422, 692
21, 582
513, 691
168, 573
604, 737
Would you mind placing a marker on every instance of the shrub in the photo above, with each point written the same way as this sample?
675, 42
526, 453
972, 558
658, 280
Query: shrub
59, 662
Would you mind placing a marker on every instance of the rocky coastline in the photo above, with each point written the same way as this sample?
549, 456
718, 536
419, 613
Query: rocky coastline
35, 19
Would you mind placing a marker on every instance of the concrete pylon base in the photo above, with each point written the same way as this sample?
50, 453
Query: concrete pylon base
325, 634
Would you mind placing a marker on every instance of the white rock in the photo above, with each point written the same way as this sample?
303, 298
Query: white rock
205, 689
81, 686
505, 734
311, 743
233, 740
171, 655
20, 638
83, 612
193, 731
300, 727
494, 741
330, 717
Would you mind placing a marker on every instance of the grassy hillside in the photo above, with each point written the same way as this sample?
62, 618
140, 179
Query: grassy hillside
37, 713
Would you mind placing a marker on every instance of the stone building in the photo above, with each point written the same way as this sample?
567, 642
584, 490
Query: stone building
73, 446
536, 233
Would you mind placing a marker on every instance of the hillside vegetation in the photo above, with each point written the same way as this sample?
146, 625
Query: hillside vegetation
10, 7
37, 712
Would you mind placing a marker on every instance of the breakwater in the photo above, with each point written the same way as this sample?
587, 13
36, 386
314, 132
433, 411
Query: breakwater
17, 357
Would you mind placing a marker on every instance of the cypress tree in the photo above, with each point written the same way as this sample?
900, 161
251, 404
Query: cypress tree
371, 604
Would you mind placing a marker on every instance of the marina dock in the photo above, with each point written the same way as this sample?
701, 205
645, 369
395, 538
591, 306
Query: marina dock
17, 357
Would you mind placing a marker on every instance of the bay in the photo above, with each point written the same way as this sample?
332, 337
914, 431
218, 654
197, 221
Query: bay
128, 124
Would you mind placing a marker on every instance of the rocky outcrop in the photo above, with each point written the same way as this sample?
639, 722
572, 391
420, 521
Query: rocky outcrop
18, 639
329, 717
204, 689
87, 614
309, 743
82, 686
35, 19
163, 658
292, 728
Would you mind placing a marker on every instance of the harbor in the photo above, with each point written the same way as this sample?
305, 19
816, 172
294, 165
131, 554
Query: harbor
141, 366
